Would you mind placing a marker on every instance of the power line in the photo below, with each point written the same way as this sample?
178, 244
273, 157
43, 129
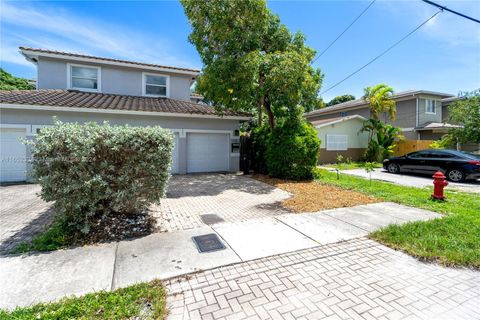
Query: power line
450, 10
341, 34
381, 54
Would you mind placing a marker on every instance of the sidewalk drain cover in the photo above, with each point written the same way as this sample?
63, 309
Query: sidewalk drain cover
210, 219
208, 243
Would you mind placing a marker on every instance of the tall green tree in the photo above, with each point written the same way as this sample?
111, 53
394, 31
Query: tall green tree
340, 99
251, 61
379, 99
9, 82
382, 137
466, 112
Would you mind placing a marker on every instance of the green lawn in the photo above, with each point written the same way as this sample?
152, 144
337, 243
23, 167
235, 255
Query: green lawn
452, 240
350, 165
141, 301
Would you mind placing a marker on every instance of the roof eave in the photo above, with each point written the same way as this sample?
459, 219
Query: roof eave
111, 111
359, 117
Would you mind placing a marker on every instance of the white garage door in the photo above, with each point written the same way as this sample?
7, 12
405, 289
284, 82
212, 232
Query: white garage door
207, 152
12, 155
175, 154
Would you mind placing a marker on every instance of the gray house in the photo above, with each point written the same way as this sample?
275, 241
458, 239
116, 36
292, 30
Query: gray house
419, 113
81, 88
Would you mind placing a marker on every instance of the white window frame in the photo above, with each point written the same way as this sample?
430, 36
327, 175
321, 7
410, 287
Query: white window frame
334, 145
144, 84
69, 77
434, 104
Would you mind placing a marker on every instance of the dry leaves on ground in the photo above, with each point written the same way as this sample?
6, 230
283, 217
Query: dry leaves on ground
310, 196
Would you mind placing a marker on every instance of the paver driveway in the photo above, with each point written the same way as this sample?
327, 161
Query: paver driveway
22, 214
355, 279
232, 198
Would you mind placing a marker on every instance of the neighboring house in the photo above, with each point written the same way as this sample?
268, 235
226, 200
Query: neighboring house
81, 88
341, 136
419, 113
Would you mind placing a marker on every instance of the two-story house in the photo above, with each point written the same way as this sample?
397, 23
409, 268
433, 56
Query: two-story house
419, 115
82, 88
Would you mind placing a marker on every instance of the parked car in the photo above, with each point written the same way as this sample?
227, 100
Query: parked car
456, 165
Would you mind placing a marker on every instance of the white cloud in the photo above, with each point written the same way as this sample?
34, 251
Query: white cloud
55, 28
446, 27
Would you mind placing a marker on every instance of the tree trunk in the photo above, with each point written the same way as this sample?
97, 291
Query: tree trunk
260, 106
268, 108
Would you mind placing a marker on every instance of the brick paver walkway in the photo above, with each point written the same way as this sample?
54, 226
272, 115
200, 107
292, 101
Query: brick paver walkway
22, 215
231, 197
356, 279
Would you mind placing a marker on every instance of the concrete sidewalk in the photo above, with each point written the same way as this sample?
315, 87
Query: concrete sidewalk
50, 276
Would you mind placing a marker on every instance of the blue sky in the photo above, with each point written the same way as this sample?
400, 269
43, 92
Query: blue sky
442, 56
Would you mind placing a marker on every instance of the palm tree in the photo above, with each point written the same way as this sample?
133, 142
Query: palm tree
379, 99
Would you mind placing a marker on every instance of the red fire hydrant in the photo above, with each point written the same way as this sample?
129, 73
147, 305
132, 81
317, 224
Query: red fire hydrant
439, 183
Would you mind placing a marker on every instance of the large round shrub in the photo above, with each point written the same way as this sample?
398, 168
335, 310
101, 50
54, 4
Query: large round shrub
260, 136
92, 170
292, 150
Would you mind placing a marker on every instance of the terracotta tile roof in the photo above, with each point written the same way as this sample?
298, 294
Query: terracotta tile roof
88, 100
78, 55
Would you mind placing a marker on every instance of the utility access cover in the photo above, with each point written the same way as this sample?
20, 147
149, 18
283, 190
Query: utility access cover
210, 219
208, 243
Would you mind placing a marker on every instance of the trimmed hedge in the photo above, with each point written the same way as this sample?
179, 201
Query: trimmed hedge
292, 150
93, 170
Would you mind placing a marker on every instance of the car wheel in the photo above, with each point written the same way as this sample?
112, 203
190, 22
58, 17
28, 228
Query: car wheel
393, 168
455, 175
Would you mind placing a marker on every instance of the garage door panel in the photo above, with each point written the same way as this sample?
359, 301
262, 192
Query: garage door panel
207, 152
12, 155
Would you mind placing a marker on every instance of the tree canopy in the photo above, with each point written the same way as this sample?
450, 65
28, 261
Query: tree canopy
466, 112
251, 60
340, 99
9, 82
379, 99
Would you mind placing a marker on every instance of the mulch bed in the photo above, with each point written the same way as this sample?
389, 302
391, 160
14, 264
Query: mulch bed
310, 196
117, 226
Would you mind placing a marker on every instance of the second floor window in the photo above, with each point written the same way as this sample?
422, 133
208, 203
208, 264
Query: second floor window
84, 78
430, 106
155, 85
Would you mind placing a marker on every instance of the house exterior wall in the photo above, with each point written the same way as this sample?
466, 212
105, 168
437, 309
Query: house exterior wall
183, 125
406, 114
424, 117
52, 74
445, 113
356, 144
406, 117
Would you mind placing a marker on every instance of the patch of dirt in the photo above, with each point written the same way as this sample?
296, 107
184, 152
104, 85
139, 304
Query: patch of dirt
310, 196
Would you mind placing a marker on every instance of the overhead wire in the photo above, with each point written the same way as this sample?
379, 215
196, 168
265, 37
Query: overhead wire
345, 30
382, 53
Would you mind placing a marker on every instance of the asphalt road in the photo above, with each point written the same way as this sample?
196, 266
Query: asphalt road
413, 180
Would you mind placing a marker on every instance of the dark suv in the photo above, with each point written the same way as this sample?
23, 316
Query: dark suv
457, 165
